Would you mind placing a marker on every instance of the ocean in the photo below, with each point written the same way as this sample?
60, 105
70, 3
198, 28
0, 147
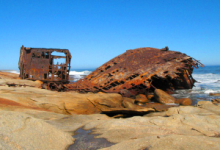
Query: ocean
207, 77
208, 81
76, 74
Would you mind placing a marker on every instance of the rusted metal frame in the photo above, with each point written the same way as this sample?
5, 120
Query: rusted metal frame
26, 56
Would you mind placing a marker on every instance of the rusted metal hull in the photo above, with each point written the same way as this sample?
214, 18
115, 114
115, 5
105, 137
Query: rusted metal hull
140, 71
39, 64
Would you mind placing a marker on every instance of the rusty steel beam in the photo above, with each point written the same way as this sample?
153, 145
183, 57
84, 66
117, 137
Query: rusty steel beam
38, 64
139, 71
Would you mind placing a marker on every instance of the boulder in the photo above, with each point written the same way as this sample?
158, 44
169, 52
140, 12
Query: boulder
111, 100
21, 131
184, 101
79, 105
163, 97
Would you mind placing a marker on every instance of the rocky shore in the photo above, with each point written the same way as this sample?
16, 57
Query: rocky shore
34, 118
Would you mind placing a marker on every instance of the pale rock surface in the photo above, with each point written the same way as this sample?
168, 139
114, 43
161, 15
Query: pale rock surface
187, 110
20, 82
20, 131
209, 106
169, 142
182, 128
70, 123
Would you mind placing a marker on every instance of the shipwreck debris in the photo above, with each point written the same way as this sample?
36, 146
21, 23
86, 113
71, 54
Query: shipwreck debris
134, 72
42, 64
139, 71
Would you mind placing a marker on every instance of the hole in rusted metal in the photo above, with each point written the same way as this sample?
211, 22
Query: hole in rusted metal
45, 76
110, 75
107, 67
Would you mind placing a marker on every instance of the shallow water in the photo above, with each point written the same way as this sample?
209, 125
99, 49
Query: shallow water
87, 141
208, 81
195, 96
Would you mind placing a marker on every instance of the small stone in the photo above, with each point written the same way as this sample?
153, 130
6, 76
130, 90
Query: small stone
141, 98
150, 97
214, 94
184, 101
215, 101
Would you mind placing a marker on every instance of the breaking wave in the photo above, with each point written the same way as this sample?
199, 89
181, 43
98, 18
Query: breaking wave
77, 75
207, 83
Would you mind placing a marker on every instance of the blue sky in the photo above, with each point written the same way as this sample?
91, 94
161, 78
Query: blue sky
96, 31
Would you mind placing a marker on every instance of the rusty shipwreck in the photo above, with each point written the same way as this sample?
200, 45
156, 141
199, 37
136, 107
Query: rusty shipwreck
140, 71
136, 71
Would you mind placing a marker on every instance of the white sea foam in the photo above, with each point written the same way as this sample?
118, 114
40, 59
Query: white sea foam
11, 71
86, 72
78, 75
206, 83
211, 91
207, 78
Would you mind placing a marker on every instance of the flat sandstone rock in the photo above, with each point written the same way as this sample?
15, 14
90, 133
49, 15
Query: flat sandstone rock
21, 131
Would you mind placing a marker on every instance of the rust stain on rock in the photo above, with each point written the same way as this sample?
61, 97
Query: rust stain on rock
7, 103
